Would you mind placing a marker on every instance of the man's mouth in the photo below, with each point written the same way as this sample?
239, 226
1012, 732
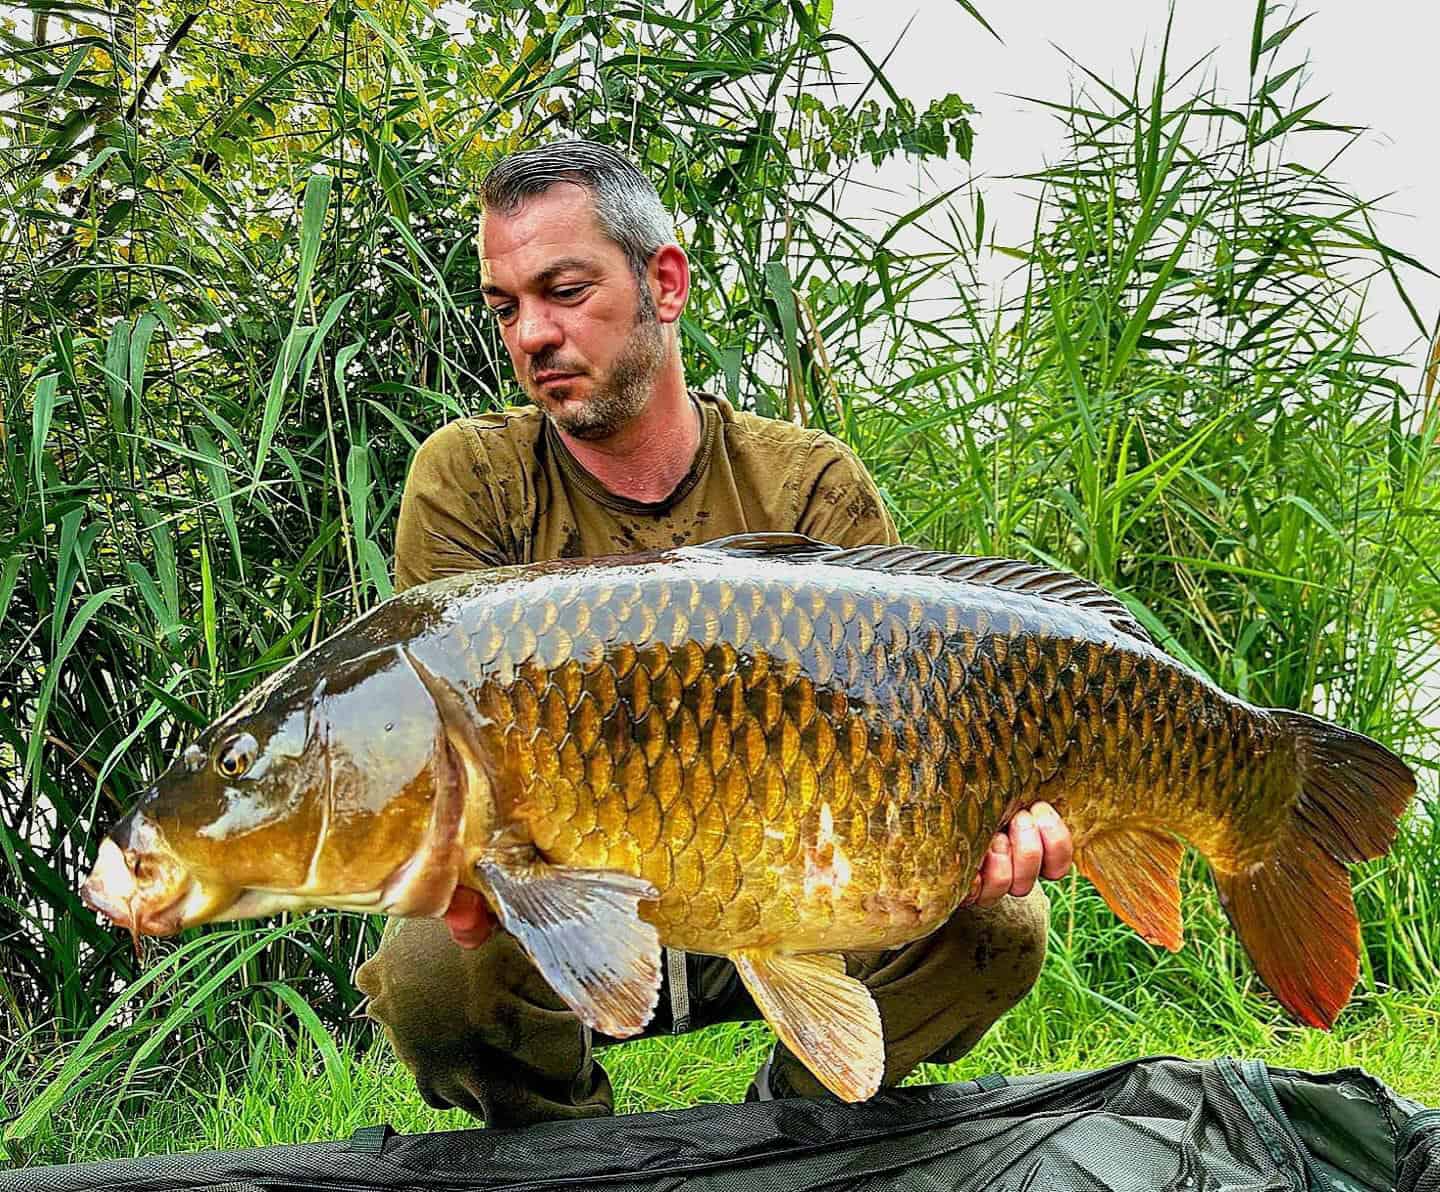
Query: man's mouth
547, 378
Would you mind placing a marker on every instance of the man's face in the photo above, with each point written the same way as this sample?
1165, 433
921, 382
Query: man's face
581, 331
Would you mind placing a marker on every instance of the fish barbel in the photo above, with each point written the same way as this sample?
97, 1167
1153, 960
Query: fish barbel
764, 748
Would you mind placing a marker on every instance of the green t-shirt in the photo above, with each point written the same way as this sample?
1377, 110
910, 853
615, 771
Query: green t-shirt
503, 488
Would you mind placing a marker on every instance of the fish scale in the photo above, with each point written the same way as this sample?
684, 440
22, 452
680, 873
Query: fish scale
674, 787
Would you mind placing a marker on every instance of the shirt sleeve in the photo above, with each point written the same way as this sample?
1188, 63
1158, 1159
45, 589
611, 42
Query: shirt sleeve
449, 520
843, 506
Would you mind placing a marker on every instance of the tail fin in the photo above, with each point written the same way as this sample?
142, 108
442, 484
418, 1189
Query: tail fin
1293, 911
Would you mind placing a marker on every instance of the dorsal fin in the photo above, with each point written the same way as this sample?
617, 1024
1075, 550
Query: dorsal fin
1012, 575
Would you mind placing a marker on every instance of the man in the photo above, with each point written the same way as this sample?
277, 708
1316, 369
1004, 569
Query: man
580, 267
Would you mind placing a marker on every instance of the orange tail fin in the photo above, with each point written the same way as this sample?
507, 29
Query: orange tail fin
1293, 911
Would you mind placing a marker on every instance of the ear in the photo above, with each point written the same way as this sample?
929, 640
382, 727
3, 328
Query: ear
668, 275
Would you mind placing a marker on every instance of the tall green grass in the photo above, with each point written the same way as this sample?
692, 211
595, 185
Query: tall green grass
1180, 403
276, 1090
205, 435
230, 309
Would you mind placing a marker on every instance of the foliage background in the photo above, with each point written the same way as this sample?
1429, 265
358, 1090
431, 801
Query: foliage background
238, 286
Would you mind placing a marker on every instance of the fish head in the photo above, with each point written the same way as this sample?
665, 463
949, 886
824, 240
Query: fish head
167, 865
313, 791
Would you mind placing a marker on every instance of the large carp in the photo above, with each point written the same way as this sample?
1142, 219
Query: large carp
764, 748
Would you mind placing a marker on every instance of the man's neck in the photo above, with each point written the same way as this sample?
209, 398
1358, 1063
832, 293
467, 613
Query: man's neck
647, 458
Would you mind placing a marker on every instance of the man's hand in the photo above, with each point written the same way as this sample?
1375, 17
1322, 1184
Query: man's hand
1036, 842
468, 918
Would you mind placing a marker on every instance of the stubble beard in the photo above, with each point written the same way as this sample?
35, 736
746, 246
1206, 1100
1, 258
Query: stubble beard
626, 390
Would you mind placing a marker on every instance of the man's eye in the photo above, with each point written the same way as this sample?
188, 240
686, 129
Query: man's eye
567, 292
503, 313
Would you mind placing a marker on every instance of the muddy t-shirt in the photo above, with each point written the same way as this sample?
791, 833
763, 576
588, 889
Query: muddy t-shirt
503, 488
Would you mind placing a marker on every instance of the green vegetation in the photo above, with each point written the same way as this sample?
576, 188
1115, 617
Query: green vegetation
237, 286
274, 1090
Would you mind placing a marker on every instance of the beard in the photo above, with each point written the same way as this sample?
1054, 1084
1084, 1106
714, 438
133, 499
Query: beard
624, 391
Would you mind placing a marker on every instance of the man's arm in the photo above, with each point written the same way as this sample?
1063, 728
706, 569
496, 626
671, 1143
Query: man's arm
448, 522
448, 525
839, 501
845, 507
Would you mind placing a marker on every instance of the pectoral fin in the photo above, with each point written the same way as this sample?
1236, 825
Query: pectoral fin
583, 930
828, 1019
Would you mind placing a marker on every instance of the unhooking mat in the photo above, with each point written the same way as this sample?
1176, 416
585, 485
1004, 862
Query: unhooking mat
1159, 1124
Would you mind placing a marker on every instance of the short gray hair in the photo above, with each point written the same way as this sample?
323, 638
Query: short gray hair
627, 205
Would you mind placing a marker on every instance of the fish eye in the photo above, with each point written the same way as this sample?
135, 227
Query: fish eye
237, 755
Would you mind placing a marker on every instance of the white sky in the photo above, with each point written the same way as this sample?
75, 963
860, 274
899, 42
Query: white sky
1376, 60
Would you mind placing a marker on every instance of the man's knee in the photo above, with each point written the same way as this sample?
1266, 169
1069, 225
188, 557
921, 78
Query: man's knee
1007, 942
480, 1029
994, 956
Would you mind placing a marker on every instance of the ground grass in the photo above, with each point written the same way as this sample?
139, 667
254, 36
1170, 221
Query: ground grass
283, 1093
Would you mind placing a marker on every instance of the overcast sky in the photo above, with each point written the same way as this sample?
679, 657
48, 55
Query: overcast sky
1376, 59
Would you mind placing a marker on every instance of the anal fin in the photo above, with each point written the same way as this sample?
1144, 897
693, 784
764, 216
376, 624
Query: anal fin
1137, 871
583, 930
828, 1019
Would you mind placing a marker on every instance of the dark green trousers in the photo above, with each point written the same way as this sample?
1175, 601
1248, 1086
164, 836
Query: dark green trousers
482, 1031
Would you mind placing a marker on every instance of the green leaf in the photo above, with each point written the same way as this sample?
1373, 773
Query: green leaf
40, 418
357, 487
975, 12
165, 619
292, 352
52, 676
164, 559
219, 479
117, 371
777, 281
72, 64
1282, 35
9, 572
67, 570
1313, 514
317, 340
148, 717
376, 572
312, 225
139, 349
1257, 34
393, 187
337, 1070
96, 162
178, 708
1396, 450
208, 613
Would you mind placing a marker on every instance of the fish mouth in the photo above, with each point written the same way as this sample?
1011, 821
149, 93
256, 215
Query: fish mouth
142, 909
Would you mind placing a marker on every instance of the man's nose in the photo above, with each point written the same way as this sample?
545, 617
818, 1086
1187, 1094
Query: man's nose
535, 329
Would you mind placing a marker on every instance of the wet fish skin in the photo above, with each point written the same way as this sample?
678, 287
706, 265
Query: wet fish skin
779, 758
762, 748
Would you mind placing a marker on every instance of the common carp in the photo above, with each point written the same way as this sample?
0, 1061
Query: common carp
764, 748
